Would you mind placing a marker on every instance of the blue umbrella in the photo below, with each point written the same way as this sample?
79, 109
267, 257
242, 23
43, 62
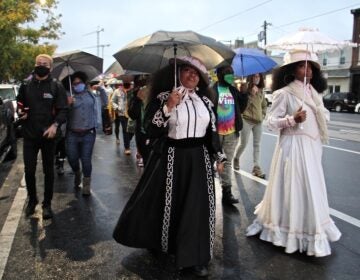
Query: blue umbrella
248, 61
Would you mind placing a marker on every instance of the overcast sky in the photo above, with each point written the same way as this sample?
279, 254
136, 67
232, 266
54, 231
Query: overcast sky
124, 21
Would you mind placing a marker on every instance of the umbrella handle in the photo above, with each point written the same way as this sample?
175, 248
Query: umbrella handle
175, 66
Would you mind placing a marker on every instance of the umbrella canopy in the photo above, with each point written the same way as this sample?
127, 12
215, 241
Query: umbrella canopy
308, 39
152, 52
67, 63
115, 70
248, 61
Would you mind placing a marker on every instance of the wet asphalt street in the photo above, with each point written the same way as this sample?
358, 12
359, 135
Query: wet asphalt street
77, 243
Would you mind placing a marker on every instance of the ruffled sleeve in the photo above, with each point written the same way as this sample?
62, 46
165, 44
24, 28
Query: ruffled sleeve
278, 117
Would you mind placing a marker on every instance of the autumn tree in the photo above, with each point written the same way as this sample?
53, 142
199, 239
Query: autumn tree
26, 27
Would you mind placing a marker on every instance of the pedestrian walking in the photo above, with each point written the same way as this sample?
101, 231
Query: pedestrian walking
137, 107
120, 105
229, 104
81, 129
294, 212
42, 107
172, 209
253, 117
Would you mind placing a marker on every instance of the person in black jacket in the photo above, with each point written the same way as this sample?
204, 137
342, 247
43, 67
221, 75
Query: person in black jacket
136, 111
42, 107
229, 103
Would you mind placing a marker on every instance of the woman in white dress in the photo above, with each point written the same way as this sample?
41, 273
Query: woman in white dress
294, 212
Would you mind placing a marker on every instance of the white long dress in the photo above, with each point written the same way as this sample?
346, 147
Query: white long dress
294, 212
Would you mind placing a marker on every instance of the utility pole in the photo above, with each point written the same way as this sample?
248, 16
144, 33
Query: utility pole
98, 30
263, 34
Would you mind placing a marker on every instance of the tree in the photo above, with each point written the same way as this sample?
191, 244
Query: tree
26, 27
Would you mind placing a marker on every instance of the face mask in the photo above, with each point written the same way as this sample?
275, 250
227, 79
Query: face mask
41, 71
229, 78
79, 87
127, 85
256, 81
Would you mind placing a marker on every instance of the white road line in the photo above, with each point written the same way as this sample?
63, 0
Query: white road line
325, 146
8, 231
333, 212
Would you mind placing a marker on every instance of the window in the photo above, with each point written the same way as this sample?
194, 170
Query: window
337, 88
331, 88
324, 61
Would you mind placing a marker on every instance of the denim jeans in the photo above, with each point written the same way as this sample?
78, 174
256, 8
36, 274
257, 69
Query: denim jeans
79, 147
256, 129
228, 143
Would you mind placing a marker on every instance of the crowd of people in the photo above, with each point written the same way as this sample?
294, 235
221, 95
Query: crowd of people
186, 131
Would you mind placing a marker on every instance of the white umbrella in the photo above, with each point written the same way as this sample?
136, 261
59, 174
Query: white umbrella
308, 39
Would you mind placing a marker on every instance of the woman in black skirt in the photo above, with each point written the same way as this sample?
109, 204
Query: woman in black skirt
173, 206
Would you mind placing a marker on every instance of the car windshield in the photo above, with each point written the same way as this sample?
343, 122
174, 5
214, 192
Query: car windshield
7, 93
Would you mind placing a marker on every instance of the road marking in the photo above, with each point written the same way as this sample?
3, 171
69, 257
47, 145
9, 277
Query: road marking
325, 146
8, 231
333, 212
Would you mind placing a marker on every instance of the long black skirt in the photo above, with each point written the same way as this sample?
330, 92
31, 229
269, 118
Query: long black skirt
172, 208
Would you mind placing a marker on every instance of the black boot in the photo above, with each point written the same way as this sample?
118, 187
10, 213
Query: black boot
227, 197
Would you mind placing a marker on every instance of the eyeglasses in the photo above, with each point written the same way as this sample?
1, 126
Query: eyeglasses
190, 70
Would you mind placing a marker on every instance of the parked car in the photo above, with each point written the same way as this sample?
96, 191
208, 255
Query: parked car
357, 108
339, 101
268, 96
8, 149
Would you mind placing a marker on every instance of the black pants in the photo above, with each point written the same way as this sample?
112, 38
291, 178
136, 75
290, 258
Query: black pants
126, 135
31, 149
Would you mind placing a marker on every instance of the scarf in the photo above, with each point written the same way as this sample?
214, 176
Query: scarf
315, 103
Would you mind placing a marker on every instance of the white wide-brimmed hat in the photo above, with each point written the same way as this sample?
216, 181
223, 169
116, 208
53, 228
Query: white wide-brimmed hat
193, 62
301, 55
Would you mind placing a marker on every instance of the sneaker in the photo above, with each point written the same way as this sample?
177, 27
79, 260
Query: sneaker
236, 164
30, 208
140, 162
47, 212
117, 141
257, 172
127, 152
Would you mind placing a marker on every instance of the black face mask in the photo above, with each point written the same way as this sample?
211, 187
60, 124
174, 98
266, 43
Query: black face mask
127, 85
41, 71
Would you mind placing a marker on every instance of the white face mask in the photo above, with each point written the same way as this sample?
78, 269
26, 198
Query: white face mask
256, 81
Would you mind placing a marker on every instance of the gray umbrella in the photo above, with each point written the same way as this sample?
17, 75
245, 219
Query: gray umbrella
152, 52
115, 70
67, 63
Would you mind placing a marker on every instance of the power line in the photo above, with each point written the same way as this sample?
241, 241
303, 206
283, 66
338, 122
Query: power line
235, 15
308, 18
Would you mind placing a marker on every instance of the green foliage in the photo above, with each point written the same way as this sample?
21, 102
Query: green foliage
26, 27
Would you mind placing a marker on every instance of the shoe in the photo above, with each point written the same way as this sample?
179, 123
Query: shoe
77, 179
86, 186
236, 164
228, 198
257, 172
30, 208
117, 141
200, 270
60, 171
140, 162
127, 152
47, 212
